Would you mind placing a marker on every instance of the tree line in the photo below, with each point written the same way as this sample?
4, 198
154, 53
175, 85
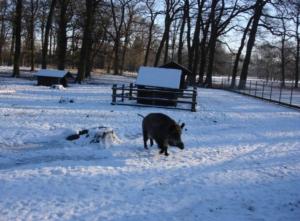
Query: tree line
236, 38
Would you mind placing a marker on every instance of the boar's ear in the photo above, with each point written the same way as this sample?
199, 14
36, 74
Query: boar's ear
182, 125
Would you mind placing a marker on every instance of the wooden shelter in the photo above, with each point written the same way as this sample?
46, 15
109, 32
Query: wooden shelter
186, 73
47, 77
158, 86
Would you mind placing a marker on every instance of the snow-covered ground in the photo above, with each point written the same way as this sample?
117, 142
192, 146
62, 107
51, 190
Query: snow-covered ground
241, 161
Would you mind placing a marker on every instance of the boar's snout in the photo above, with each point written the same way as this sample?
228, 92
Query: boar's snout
173, 143
181, 146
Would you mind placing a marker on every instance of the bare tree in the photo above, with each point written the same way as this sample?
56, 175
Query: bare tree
296, 19
3, 31
87, 41
239, 53
62, 34
153, 15
128, 23
17, 52
33, 7
258, 9
47, 32
195, 52
118, 19
172, 8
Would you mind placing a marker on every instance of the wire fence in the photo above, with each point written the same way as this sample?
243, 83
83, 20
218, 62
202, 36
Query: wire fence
267, 90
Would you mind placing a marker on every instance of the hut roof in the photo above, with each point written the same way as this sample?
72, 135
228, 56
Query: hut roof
175, 65
159, 77
51, 73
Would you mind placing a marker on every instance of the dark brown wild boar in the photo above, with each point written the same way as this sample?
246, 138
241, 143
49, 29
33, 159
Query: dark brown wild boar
164, 130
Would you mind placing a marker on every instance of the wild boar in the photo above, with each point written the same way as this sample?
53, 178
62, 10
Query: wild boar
164, 130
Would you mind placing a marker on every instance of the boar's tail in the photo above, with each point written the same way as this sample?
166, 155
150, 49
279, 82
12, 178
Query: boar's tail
141, 115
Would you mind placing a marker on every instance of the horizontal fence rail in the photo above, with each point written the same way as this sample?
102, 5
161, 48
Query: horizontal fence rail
182, 99
271, 91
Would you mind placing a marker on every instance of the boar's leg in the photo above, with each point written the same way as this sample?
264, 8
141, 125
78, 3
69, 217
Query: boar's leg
145, 137
163, 147
151, 142
166, 151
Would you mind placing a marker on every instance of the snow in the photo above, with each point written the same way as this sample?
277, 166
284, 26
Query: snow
241, 161
51, 73
159, 77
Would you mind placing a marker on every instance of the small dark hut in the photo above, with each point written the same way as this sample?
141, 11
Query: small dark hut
47, 77
186, 73
158, 86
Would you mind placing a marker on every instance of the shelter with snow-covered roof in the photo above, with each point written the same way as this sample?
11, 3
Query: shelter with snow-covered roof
48, 77
158, 86
186, 73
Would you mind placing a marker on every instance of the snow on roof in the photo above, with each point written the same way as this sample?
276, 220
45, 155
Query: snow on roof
51, 73
159, 77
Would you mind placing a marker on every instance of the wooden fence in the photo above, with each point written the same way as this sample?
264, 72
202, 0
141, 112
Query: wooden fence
186, 99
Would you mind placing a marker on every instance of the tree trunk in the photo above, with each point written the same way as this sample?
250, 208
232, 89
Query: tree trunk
297, 53
166, 55
46, 38
196, 42
12, 45
2, 37
149, 42
17, 53
116, 55
161, 45
180, 43
212, 44
33, 9
203, 51
62, 35
127, 37
238, 55
170, 7
256, 17
83, 68
282, 63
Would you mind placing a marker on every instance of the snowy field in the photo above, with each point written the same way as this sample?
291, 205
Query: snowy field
241, 161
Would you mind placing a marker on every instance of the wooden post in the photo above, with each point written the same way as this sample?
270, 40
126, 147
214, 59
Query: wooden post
280, 93
271, 91
291, 98
123, 93
250, 88
255, 88
194, 98
130, 91
114, 93
262, 94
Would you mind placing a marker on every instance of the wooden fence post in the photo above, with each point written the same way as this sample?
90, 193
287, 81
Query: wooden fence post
194, 98
130, 91
280, 93
114, 93
123, 93
291, 98
263, 91
271, 91
250, 87
255, 88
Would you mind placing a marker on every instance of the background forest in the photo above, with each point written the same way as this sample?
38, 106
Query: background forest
233, 38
